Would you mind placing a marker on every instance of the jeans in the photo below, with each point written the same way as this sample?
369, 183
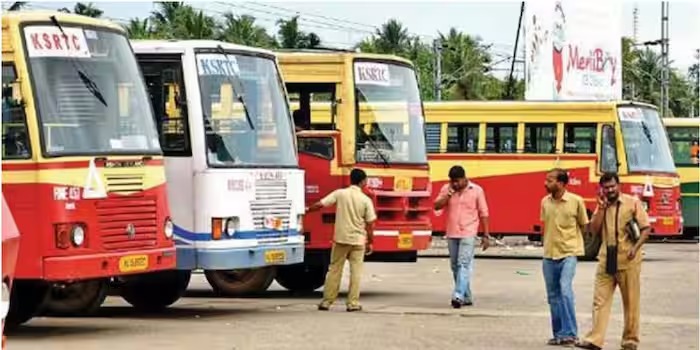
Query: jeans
461, 261
558, 277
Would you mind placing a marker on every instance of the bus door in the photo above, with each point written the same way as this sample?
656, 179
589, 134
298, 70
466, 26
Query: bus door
317, 155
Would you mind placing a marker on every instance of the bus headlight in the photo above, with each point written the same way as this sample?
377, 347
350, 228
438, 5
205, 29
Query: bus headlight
5, 307
77, 235
300, 223
168, 228
232, 225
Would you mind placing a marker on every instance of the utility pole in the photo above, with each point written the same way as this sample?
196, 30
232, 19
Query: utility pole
510, 91
664, 59
437, 51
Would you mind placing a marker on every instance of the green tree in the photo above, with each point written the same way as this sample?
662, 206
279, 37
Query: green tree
89, 10
292, 37
242, 30
140, 29
17, 5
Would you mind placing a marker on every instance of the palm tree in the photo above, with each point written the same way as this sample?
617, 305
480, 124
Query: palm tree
165, 15
464, 63
392, 38
17, 5
193, 24
139, 29
243, 30
87, 10
291, 37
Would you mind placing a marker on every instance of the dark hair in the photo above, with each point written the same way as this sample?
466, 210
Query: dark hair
607, 177
357, 176
457, 172
561, 174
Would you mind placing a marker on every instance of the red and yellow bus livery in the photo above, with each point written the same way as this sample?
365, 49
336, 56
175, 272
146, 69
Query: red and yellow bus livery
82, 167
508, 147
359, 110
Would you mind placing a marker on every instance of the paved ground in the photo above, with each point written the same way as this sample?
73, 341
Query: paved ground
406, 307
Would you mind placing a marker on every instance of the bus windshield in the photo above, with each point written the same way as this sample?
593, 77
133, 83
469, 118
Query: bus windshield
389, 114
246, 116
89, 94
646, 144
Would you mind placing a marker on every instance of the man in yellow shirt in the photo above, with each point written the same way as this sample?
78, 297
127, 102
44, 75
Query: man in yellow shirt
564, 216
619, 261
353, 238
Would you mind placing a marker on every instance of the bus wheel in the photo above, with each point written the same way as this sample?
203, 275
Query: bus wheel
77, 298
27, 299
591, 244
241, 281
301, 277
154, 291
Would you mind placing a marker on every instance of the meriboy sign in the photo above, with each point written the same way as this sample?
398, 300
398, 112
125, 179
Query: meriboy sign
573, 50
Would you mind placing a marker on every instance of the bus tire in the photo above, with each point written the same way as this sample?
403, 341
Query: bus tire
240, 282
154, 291
76, 298
27, 299
301, 277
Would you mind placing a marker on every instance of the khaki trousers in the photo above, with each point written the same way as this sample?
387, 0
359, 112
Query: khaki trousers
341, 252
605, 284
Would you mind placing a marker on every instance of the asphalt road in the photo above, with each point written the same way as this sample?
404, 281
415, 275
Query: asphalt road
406, 307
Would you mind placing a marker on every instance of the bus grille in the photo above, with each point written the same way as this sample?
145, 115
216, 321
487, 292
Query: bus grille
115, 214
274, 208
124, 184
266, 190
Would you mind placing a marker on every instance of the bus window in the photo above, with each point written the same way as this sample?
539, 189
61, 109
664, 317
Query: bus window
433, 132
316, 146
462, 138
307, 101
166, 88
684, 144
540, 138
579, 138
501, 138
608, 159
15, 139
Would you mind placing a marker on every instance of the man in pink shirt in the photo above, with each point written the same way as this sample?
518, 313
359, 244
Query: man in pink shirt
465, 206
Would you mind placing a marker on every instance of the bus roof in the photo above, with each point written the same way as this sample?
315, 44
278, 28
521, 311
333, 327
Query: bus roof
155, 46
682, 122
519, 105
13, 18
329, 56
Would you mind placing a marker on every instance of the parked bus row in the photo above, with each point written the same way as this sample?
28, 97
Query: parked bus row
93, 125
128, 165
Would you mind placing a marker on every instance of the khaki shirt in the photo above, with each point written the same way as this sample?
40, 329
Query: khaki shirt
354, 210
563, 222
630, 207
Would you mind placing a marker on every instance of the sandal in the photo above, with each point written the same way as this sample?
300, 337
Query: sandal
587, 345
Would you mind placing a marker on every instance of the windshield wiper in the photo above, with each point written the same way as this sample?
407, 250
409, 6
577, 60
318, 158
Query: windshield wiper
84, 78
376, 149
237, 87
647, 133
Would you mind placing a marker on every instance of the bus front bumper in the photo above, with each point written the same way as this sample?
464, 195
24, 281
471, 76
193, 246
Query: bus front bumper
80, 267
666, 225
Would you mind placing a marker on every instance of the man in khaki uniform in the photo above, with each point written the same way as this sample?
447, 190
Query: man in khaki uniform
353, 238
619, 262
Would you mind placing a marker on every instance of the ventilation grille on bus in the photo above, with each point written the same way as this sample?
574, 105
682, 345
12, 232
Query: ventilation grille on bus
124, 183
279, 209
270, 189
114, 215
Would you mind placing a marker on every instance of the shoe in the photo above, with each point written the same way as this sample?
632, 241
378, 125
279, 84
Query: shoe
587, 345
467, 303
629, 346
323, 307
354, 308
456, 303
562, 342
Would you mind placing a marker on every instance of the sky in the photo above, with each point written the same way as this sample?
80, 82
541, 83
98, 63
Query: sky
344, 23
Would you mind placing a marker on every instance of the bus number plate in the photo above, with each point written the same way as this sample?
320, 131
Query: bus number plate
132, 263
405, 240
667, 221
275, 256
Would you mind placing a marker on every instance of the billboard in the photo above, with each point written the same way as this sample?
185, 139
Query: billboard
573, 50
